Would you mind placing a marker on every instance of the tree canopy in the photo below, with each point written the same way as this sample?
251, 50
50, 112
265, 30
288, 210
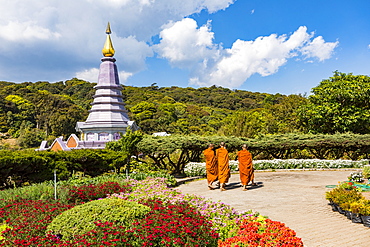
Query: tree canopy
338, 104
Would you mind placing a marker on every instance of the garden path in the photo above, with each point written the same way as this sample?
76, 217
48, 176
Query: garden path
296, 198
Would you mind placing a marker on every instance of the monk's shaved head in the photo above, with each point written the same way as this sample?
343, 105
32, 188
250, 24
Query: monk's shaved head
222, 144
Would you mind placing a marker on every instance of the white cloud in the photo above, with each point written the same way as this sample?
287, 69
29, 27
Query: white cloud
123, 76
216, 5
25, 31
183, 43
319, 48
131, 53
186, 45
90, 75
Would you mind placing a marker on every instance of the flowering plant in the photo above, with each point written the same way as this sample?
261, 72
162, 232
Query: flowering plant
254, 233
3, 227
193, 169
347, 185
222, 216
356, 176
199, 169
85, 193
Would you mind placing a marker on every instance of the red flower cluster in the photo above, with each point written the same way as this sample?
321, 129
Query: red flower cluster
85, 193
269, 233
174, 225
28, 220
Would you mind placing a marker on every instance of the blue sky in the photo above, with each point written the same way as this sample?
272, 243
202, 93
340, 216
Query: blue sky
285, 46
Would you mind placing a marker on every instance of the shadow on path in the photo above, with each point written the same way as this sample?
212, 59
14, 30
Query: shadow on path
232, 186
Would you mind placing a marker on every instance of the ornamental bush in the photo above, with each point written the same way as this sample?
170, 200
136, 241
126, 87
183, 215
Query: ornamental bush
81, 219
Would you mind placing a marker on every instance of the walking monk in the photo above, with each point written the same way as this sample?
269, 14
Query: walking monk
211, 165
223, 165
246, 170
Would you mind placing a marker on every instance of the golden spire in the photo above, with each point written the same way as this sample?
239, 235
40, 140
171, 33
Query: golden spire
108, 31
108, 50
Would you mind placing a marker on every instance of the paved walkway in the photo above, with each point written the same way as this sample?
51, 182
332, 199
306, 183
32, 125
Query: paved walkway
296, 198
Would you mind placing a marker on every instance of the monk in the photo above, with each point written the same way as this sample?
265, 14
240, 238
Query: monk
223, 165
211, 165
246, 170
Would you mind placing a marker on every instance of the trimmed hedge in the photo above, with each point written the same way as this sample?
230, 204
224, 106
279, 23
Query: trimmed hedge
288, 146
175, 152
20, 167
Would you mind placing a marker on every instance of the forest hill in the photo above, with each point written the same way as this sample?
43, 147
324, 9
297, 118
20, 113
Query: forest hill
35, 111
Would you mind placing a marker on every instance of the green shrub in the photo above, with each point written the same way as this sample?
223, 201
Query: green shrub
80, 219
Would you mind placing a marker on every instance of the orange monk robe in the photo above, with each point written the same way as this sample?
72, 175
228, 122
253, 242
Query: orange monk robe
245, 167
223, 165
211, 165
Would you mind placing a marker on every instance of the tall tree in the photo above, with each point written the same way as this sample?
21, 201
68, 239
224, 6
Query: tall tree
285, 113
127, 146
338, 104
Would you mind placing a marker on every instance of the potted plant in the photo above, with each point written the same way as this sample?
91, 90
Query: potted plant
343, 197
345, 206
330, 195
347, 185
355, 210
365, 213
356, 177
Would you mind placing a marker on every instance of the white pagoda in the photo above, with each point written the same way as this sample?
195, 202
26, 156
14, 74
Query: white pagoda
108, 118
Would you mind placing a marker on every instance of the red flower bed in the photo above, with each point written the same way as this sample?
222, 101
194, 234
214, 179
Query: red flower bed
28, 220
85, 193
171, 225
166, 225
269, 233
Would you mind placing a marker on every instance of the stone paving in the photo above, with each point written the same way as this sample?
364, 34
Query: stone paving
296, 198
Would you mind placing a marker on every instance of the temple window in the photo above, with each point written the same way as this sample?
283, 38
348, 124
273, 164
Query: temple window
116, 136
90, 136
103, 136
